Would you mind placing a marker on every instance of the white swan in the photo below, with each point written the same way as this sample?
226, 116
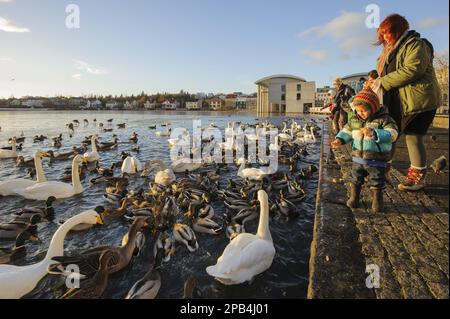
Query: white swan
7, 187
185, 164
131, 165
17, 281
164, 133
44, 190
93, 155
164, 176
256, 174
307, 138
9, 153
284, 136
247, 255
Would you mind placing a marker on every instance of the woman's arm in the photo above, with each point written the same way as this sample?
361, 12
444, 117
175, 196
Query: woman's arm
414, 67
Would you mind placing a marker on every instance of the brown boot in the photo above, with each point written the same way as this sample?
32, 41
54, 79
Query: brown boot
355, 194
377, 200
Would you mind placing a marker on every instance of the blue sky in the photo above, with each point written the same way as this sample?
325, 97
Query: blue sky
195, 45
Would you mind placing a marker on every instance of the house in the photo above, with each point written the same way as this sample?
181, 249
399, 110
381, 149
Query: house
194, 105
113, 105
131, 105
283, 94
170, 105
230, 102
15, 103
33, 103
217, 104
76, 101
150, 105
97, 104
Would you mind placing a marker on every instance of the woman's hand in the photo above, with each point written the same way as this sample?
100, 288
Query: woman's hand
336, 143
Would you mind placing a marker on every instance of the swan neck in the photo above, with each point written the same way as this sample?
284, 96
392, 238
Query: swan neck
56, 247
263, 226
94, 145
76, 183
40, 177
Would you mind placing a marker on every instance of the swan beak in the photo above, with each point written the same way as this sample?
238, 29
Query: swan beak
99, 220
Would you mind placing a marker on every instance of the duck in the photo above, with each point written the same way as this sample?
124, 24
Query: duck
164, 242
9, 153
41, 191
93, 155
26, 214
190, 290
148, 287
94, 287
165, 133
185, 235
232, 228
131, 165
10, 230
140, 242
134, 137
206, 226
121, 125
89, 259
17, 281
247, 255
164, 176
108, 145
9, 254
8, 188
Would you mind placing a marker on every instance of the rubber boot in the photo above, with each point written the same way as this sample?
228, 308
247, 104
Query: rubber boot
377, 200
355, 194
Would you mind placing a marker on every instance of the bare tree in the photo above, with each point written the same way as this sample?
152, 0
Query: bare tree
441, 67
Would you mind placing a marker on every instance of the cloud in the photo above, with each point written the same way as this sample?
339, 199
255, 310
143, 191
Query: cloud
348, 31
83, 66
316, 56
77, 76
9, 26
431, 22
5, 1
9, 60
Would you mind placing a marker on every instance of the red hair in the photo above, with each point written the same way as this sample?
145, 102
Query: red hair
394, 24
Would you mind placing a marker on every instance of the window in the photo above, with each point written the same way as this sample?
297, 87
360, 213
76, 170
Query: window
299, 87
299, 96
283, 97
283, 88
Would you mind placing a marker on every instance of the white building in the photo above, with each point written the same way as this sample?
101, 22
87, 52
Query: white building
216, 104
168, 105
285, 94
15, 103
33, 103
194, 105
130, 105
110, 105
150, 105
93, 104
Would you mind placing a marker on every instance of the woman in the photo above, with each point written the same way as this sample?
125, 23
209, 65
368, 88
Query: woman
411, 90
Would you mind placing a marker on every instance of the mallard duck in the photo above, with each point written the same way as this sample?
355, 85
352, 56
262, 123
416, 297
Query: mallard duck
232, 228
190, 290
166, 244
10, 231
94, 287
89, 259
26, 214
185, 235
9, 187
140, 242
108, 145
134, 137
42, 191
17, 281
148, 286
206, 226
9, 254
247, 255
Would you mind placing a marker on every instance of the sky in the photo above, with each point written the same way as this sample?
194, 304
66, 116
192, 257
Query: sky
126, 47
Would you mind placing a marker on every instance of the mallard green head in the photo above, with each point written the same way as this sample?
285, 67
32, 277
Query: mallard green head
102, 213
36, 218
23, 237
49, 202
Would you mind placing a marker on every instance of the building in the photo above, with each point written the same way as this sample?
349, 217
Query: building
33, 103
91, 104
15, 103
113, 105
353, 79
322, 95
194, 105
230, 102
170, 105
150, 105
283, 94
131, 105
217, 104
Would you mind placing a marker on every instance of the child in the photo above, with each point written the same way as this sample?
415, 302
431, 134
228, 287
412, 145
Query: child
372, 132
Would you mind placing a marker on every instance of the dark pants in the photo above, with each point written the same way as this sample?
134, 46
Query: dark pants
377, 177
339, 120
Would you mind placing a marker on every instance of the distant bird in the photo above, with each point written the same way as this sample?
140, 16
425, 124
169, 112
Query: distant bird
439, 164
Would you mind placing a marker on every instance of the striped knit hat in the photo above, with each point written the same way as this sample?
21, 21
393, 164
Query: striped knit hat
367, 98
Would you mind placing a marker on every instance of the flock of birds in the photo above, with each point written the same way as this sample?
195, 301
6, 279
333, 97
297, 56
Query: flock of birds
176, 205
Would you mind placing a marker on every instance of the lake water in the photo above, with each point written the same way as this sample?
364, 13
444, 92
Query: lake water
288, 275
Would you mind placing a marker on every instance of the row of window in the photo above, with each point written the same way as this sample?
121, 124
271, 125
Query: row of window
299, 97
299, 88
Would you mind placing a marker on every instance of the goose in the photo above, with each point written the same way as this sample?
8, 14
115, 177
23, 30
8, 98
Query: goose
247, 255
131, 165
8, 188
89, 259
9, 254
17, 281
185, 235
93, 155
94, 287
42, 191
9, 153
164, 176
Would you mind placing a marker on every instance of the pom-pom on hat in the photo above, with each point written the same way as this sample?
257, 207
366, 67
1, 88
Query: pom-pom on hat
367, 98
